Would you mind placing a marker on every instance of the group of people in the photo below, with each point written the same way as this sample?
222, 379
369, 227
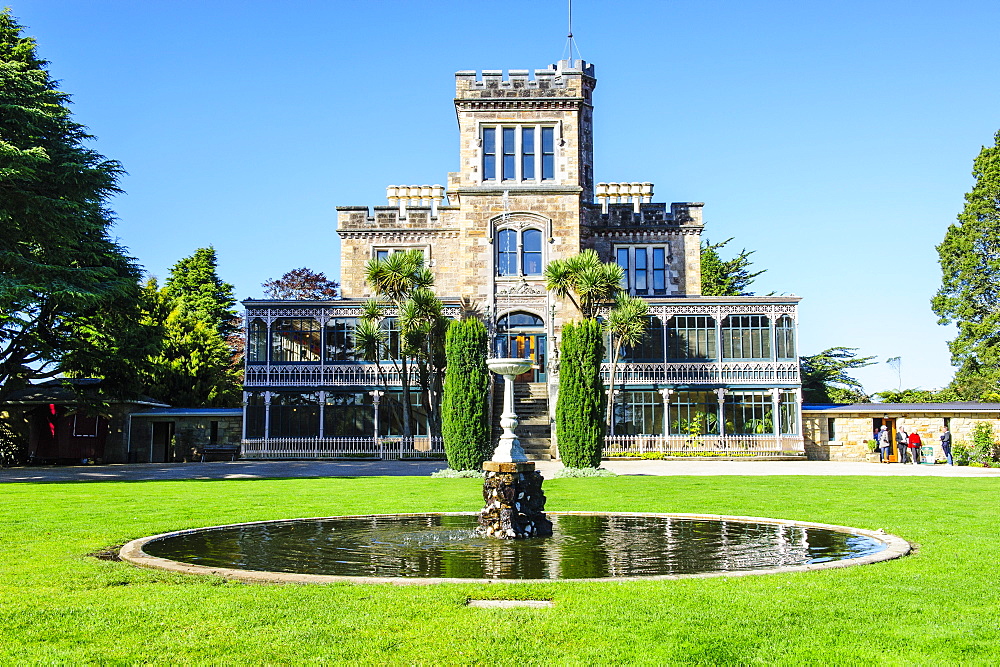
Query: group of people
908, 445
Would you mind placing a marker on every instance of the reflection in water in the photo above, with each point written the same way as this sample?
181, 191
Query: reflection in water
582, 547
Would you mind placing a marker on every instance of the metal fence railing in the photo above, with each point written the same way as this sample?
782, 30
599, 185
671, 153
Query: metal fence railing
388, 448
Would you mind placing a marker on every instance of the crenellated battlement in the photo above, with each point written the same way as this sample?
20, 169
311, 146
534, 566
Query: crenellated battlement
563, 79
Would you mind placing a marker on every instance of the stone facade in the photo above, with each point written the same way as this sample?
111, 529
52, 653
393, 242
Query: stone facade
853, 430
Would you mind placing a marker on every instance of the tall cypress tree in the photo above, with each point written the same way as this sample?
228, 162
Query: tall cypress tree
63, 280
580, 408
970, 280
195, 285
465, 406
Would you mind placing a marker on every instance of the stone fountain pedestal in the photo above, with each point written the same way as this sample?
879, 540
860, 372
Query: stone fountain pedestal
512, 490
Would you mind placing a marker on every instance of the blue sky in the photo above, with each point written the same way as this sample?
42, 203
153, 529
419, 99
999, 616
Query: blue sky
834, 139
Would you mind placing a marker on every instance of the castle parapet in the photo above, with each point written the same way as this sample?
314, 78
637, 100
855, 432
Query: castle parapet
563, 79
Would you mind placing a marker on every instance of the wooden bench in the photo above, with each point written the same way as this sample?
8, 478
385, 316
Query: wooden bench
232, 451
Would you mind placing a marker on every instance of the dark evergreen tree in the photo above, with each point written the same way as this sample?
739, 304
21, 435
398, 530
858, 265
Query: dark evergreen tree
580, 407
195, 285
970, 281
61, 275
725, 277
825, 378
465, 407
193, 367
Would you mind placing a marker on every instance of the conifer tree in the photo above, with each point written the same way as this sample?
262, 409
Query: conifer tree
195, 285
192, 368
580, 407
970, 281
465, 406
61, 274
725, 277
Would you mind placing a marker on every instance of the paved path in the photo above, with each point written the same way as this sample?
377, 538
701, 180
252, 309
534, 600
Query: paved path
279, 469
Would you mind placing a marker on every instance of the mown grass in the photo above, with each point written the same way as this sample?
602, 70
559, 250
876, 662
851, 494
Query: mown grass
941, 605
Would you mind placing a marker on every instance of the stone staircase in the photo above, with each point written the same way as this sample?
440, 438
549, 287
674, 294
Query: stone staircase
531, 403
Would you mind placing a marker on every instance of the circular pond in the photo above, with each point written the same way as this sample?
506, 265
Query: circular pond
418, 548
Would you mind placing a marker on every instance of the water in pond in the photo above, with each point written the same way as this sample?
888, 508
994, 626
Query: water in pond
444, 545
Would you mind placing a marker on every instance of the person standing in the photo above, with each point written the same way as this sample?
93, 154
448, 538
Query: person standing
946, 444
883, 444
913, 444
901, 439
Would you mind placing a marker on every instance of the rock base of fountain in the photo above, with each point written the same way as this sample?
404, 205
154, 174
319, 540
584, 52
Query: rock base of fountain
515, 503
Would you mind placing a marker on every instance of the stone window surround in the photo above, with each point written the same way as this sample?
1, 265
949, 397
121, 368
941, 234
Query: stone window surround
669, 277
498, 125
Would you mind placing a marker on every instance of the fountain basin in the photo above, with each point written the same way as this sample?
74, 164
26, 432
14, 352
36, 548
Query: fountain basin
509, 365
444, 547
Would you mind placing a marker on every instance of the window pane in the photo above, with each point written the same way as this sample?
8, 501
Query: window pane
257, 343
528, 153
507, 252
548, 153
694, 413
691, 337
659, 271
339, 344
508, 154
489, 154
621, 256
640, 271
531, 243
295, 339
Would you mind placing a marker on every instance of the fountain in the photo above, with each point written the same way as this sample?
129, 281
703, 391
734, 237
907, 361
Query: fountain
511, 538
512, 489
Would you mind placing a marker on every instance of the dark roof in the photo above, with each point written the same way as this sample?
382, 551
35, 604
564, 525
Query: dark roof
68, 391
190, 412
885, 408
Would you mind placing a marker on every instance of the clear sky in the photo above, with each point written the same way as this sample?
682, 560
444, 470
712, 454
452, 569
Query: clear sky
835, 139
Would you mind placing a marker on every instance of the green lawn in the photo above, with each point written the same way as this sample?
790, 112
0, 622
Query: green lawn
940, 605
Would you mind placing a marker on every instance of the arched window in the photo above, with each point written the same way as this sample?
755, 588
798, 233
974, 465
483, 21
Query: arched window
784, 335
257, 342
516, 321
519, 254
507, 253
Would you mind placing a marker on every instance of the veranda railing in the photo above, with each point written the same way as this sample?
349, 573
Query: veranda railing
636, 445
389, 448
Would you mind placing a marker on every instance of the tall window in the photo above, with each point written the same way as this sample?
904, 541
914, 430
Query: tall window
391, 414
489, 153
519, 254
639, 413
784, 335
548, 153
509, 154
339, 342
295, 339
694, 413
255, 414
790, 414
531, 252
646, 272
527, 152
390, 326
749, 413
691, 337
746, 337
257, 342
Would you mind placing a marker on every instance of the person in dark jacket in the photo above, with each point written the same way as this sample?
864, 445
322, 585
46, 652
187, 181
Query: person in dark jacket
901, 440
946, 444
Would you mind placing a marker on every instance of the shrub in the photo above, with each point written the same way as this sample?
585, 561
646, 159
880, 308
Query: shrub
580, 407
449, 473
983, 444
465, 404
961, 453
12, 446
584, 472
